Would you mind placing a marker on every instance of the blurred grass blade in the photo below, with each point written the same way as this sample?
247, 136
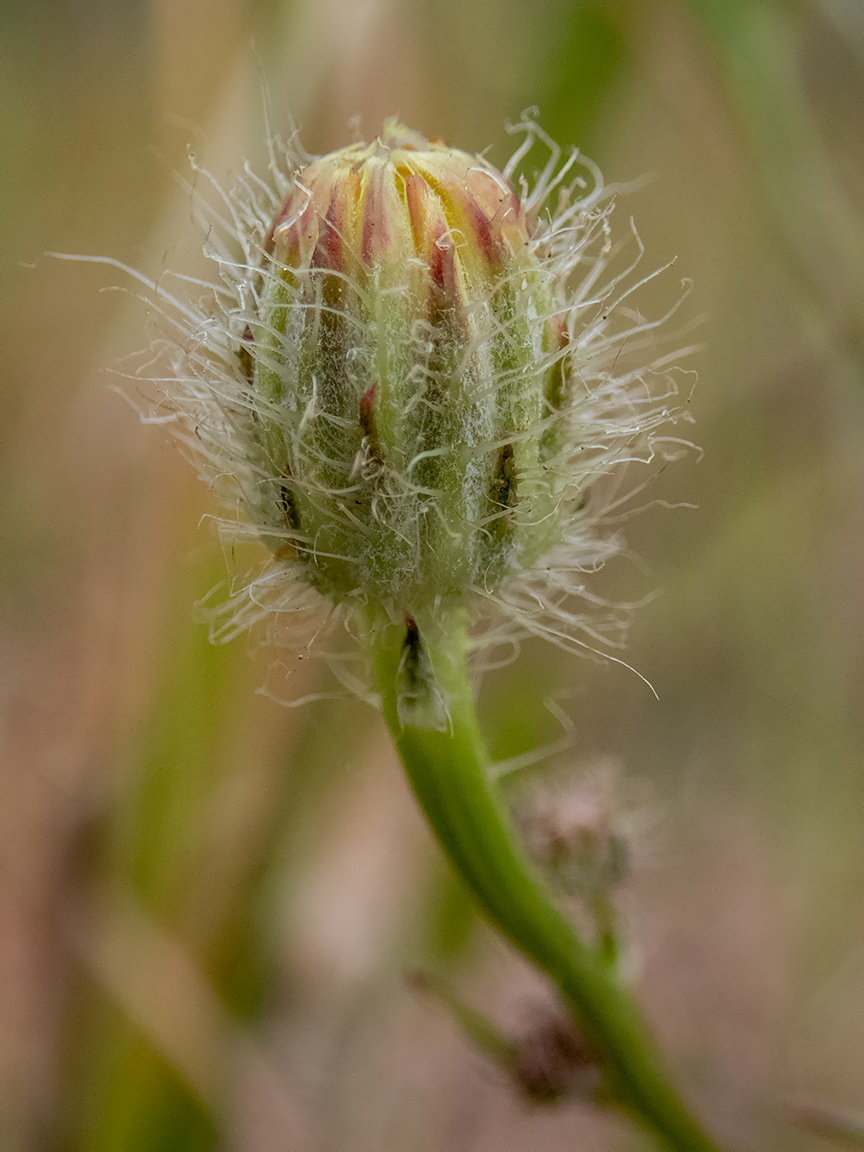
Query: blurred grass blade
755, 43
582, 71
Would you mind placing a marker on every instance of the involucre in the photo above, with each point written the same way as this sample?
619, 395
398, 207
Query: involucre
410, 378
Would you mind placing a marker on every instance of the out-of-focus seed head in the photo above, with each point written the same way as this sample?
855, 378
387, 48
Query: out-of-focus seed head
581, 831
409, 373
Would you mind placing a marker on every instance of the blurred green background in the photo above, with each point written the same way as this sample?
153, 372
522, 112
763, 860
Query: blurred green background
207, 901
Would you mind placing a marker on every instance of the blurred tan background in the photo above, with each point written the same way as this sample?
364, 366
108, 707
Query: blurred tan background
208, 902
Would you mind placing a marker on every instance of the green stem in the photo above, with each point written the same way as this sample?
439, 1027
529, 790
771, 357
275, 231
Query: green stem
429, 707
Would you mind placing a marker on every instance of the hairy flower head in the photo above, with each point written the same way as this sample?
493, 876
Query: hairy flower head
406, 368
408, 376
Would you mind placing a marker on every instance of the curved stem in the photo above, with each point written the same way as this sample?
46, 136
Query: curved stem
428, 704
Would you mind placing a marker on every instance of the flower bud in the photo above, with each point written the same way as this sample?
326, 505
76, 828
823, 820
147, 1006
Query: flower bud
407, 383
405, 366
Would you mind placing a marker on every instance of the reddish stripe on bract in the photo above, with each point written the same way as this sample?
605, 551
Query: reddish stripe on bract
432, 240
442, 264
293, 203
416, 193
375, 231
367, 409
329, 250
489, 244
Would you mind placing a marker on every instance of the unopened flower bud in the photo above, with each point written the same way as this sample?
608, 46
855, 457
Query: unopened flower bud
408, 381
402, 374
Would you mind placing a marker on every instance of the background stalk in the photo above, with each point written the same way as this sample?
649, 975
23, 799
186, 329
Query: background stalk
447, 771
